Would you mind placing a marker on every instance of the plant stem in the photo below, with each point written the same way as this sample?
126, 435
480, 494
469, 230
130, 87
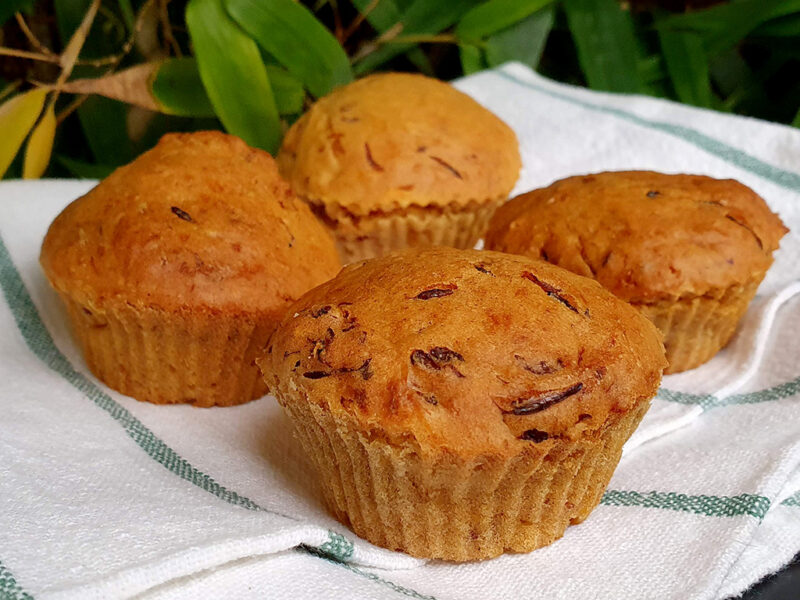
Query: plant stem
29, 55
32, 39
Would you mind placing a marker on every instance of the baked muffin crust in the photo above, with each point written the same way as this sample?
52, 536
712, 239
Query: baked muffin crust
475, 353
176, 268
392, 141
645, 236
202, 222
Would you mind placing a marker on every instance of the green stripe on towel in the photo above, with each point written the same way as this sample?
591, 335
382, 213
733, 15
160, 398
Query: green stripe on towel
337, 548
721, 150
711, 506
368, 575
9, 588
40, 342
793, 500
776, 392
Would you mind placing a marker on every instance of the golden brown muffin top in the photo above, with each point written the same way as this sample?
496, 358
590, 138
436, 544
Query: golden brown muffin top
474, 352
389, 141
200, 221
645, 236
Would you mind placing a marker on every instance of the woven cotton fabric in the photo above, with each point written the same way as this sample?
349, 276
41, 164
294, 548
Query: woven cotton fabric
106, 497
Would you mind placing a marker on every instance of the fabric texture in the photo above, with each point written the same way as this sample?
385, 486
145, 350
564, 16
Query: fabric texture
107, 497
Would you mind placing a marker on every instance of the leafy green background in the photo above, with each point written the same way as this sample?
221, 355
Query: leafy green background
252, 66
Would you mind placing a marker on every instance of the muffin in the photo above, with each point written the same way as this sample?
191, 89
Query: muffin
176, 268
459, 404
688, 251
396, 160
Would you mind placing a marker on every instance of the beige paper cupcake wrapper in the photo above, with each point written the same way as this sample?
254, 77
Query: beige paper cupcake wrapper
454, 509
376, 235
696, 329
169, 358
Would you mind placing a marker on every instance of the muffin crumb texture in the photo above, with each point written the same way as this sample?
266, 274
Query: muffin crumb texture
458, 404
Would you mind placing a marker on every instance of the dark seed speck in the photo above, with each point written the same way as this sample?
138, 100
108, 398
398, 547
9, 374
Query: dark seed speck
534, 435
434, 293
315, 374
181, 214
534, 404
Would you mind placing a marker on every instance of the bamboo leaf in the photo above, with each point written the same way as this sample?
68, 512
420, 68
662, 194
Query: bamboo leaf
607, 50
422, 17
17, 116
382, 15
84, 170
495, 15
178, 90
233, 74
103, 121
9, 7
523, 41
651, 69
687, 65
126, 9
73, 48
291, 33
385, 13
289, 92
131, 86
40, 145
788, 26
722, 26
472, 59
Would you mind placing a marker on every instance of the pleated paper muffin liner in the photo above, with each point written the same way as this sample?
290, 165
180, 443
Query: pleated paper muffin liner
380, 233
172, 357
452, 508
696, 328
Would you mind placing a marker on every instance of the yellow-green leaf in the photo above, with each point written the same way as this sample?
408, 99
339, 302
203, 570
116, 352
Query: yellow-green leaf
40, 146
17, 116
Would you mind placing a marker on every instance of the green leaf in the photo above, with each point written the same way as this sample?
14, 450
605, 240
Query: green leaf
178, 89
607, 50
233, 74
788, 26
472, 59
423, 17
9, 7
523, 41
84, 170
128, 15
385, 13
103, 121
495, 15
289, 92
687, 65
796, 120
724, 25
291, 33
651, 69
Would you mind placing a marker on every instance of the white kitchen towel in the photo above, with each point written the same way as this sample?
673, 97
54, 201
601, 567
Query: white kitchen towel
106, 497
